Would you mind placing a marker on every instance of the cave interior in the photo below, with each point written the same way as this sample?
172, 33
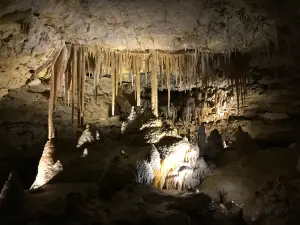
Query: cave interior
147, 111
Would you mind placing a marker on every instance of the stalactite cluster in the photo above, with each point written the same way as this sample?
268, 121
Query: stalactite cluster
187, 69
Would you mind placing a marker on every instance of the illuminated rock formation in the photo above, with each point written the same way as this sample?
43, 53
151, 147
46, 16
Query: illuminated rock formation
48, 166
88, 136
171, 162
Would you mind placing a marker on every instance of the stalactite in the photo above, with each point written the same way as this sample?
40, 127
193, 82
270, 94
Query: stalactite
74, 76
146, 68
66, 83
95, 73
117, 75
79, 80
83, 77
176, 70
137, 81
186, 70
160, 64
120, 70
59, 71
154, 88
113, 82
180, 70
51, 106
167, 62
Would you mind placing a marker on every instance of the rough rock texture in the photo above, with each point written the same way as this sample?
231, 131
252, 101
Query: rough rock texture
21, 52
241, 177
78, 203
11, 199
151, 24
24, 119
88, 136
169, 162
277, 202
214, 145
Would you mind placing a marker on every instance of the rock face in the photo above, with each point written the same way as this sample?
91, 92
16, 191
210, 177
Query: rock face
166, 162
276, 202
241, 178
244, 143
148, 205
11, 199
147, 25
214, 144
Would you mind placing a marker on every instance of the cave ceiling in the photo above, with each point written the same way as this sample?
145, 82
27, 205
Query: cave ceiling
169, 25
33, 31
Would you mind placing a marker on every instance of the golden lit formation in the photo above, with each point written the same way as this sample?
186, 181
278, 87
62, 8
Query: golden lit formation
181, 70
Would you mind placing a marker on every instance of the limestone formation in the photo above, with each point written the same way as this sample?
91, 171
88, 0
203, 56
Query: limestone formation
214, 144
244, 143
172, 162
12, 200
202, 139
171, 65
88, 136
48, 166
12, 195
274, 202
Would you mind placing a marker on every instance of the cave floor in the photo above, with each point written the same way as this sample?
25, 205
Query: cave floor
83, 177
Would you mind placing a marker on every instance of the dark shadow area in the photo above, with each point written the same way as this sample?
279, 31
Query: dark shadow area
23, 132
267, 144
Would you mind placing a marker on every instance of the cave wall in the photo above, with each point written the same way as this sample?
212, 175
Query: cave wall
31, 32
24, 117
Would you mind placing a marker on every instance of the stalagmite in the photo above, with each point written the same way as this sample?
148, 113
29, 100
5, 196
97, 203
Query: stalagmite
48, 166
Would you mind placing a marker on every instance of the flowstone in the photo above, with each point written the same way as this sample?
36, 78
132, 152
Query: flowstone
156, 155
